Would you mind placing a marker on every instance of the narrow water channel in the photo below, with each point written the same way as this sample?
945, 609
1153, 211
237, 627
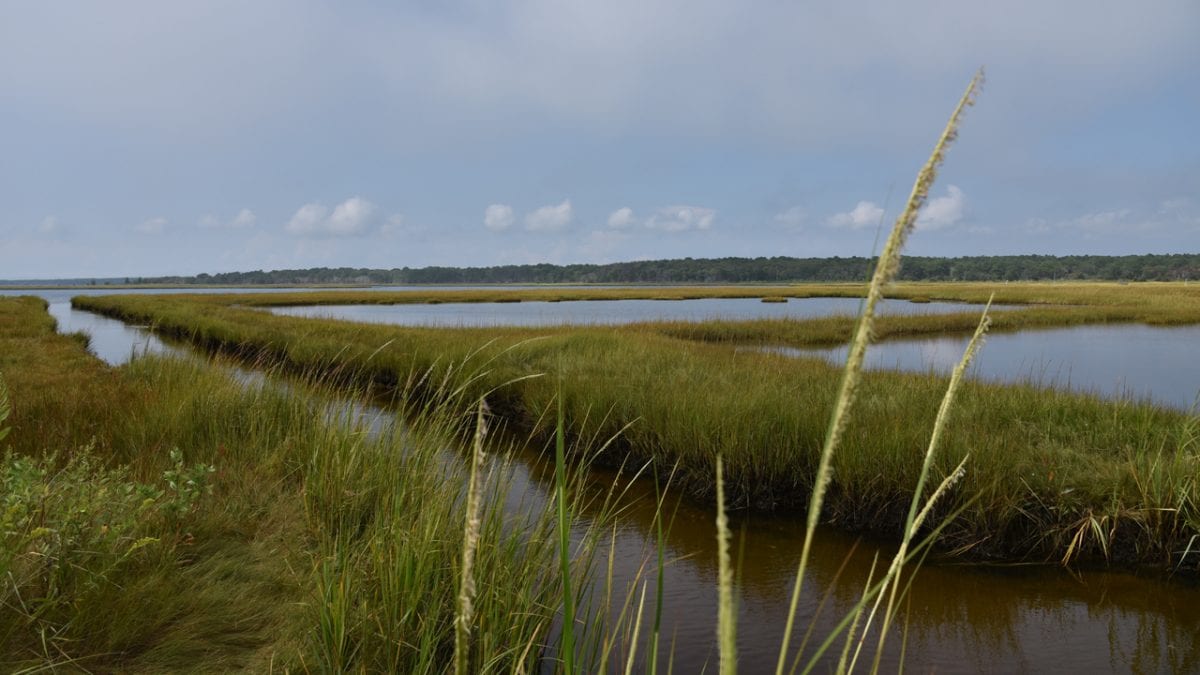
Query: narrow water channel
961, 618
114, 342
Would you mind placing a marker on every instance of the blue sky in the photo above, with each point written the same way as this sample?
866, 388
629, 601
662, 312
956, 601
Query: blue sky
146, 138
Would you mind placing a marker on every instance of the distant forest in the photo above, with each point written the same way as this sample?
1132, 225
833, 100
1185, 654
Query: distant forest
738, 270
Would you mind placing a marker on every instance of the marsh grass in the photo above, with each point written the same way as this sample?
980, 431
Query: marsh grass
349, 536
1042, 459
96, 532
885, 271
564, 545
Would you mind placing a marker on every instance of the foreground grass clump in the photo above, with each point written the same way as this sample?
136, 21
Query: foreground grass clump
138, 522
74, 534
1054, 475
226, 522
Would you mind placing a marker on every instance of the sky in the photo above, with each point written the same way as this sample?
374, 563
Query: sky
142, 138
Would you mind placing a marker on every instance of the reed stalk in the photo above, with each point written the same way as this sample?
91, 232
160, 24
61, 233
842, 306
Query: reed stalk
912, 524
726, 616
915, 519
885, 271
466, 591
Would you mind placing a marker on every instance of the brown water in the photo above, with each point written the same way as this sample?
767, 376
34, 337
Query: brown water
961, 618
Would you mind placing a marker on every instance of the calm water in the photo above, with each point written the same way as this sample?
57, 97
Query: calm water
1130, 361
60, 295
962, 619
114, 341
608, 311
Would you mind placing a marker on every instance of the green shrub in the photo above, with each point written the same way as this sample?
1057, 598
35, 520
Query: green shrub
70, 527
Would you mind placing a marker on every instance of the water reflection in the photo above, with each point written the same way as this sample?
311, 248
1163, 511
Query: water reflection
961, 618
1129, 361
607, 311
114, 342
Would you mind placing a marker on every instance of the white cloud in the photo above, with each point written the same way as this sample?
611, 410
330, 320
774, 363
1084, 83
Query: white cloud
865, 214
498, 217
942, 211
552, 218
681, 218
794, 217
244, 219
307, 219
350, 218
152, 226
621, 218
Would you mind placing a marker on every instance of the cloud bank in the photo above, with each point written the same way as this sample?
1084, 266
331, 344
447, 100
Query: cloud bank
498, 217
350, 218
551, 218
864, 214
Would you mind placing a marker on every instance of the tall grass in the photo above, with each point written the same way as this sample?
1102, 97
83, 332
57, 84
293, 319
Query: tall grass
466, 592
1043, 459
885, 271
564, 544
915, 518
331, 526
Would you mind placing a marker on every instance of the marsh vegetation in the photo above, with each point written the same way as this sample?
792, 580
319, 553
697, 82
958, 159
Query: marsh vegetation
686, 395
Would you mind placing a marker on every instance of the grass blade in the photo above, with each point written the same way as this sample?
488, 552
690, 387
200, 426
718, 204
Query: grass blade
564, 543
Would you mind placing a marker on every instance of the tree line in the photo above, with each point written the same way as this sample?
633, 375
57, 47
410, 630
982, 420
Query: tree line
779, 269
